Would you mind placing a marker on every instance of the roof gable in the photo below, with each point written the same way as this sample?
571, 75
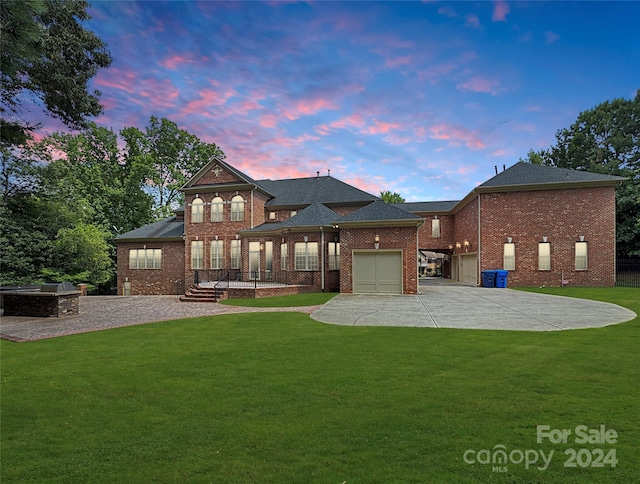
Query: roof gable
218, 172
527, 175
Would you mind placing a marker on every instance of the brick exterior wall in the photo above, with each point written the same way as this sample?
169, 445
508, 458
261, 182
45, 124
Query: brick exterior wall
390, 238
152, 281
447, 233
561, 216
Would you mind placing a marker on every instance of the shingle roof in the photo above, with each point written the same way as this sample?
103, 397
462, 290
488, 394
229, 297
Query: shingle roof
529, 174
170, 228
379, 211
421, 207
305, 191
315, 215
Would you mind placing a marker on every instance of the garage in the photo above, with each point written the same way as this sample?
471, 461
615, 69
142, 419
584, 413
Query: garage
468, 271
377, 272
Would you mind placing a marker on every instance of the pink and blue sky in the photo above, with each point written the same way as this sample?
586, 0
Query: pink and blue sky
419, 98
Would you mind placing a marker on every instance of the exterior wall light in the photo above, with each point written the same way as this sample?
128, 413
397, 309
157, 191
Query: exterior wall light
376, 240
458, 245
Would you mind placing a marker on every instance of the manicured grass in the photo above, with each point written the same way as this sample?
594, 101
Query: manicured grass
309, 299
278, 397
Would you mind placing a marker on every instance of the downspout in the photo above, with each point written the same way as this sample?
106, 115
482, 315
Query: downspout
322, 257
478, 270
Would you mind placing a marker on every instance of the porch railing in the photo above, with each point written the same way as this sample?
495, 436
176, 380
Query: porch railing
238, 278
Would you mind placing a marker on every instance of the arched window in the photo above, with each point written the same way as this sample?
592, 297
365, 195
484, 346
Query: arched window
237, 208
197, 210
216, 209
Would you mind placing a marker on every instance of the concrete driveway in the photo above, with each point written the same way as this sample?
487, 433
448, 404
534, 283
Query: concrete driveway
451, 306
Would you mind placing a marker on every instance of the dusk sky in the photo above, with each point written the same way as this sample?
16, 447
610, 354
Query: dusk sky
419, 98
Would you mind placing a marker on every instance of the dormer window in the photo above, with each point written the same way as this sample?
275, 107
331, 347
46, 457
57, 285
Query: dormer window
272, 215
293, 212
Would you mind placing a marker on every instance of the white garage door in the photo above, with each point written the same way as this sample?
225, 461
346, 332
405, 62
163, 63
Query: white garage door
469, 268
377, 272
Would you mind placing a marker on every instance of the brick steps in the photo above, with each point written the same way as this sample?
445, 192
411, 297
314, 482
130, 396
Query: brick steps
204, 295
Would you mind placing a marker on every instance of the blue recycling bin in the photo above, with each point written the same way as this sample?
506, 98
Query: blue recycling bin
501, 278
489, 278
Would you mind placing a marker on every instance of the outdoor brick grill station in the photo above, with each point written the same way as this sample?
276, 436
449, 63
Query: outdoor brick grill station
53, 299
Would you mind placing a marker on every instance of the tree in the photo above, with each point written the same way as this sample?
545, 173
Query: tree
389, 197
606, 139
91, 173
172, 156
81, 254
46, 53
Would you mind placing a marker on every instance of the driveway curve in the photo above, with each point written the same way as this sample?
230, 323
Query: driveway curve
472, 308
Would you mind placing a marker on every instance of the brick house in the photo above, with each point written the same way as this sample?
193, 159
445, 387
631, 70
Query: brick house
545, 225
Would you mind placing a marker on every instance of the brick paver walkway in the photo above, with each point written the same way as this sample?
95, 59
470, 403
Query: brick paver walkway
107, 312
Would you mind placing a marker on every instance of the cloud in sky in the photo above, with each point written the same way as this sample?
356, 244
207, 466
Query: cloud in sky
405, 96
500, 11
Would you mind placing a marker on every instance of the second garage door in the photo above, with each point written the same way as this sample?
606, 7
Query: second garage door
377, 272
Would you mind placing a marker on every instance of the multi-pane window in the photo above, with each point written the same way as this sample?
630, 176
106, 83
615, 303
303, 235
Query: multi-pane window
509, 257
217, 254
217, 207
435, 227
544, 256
284, 257
145, 259
197, 254
268, 256
237, 208
334, 256
197, 211
306, 255
235, 254
581, 256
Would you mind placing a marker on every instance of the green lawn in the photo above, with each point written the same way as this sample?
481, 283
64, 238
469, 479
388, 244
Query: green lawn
309, 299
278, 397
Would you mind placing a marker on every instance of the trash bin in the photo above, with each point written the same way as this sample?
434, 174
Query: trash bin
501, 278
489, 278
